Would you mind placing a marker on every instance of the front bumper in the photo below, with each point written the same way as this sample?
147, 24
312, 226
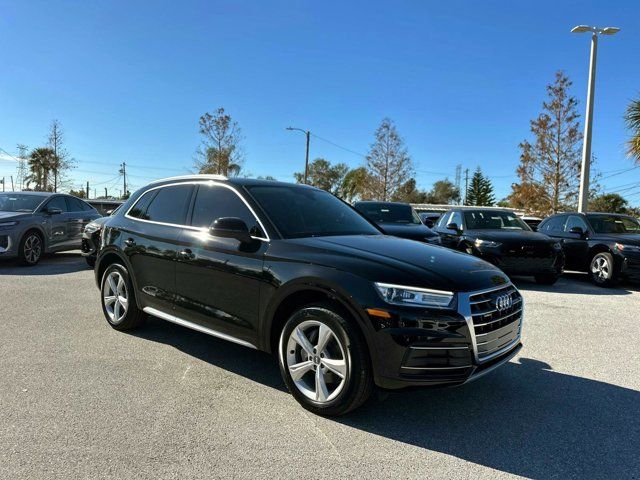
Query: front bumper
418, 347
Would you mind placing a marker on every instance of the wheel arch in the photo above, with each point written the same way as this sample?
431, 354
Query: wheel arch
109, 257
39, 230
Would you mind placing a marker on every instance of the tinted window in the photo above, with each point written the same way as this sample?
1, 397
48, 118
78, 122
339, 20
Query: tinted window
58, 202
444, 220
614, 224
307, 212
170, 204
456, 217
389, 212
213, 202
575, 221
18, 202
74, 205
554, 224
493, 220
140, 208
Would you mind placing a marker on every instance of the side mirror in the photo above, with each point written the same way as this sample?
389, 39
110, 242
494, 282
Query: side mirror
428, 222
453, 226
230, 227
53, 211
577, 230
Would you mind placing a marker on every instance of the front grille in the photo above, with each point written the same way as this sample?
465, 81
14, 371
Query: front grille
497, 319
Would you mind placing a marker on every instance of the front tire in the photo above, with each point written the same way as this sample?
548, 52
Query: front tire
324, 361
602, 270
546, 278
118, 300
30, 249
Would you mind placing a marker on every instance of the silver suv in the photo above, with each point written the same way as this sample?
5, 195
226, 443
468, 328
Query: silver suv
33, 223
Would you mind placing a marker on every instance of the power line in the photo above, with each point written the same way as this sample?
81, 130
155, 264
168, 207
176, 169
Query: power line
338, 146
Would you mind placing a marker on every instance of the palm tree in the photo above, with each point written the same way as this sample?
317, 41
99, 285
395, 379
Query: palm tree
40, 162
632, 118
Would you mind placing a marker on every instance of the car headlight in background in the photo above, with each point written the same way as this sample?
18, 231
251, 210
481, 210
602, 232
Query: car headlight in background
92, 227
627, 248
486, 243
8, 225
424, 297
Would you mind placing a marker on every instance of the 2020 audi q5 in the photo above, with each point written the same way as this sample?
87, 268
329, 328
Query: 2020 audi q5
293, 270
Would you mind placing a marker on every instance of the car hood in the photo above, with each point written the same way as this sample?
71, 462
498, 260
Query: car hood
625, 239
407, 230
506, 236
7, 216
383, 258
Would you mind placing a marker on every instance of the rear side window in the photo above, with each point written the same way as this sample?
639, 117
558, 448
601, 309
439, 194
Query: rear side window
75, 205
164, 205
213, 202
58, 202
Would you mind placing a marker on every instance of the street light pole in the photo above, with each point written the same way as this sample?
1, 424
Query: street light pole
583, 199
306, 160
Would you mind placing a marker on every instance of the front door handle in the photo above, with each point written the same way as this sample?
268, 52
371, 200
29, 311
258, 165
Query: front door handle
129, 242
186, 254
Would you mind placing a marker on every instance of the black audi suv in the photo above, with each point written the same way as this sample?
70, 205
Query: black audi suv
605, 245
503, 239
293, 270
397, 219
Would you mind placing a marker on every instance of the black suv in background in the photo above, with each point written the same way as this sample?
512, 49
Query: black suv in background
397, 219
503, 239
605, 245
293, 270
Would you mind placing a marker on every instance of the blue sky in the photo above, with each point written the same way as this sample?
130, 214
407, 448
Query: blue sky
128, 80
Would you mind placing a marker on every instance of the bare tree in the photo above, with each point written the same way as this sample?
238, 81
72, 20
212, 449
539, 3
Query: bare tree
220, 151
60, 162
549, 167
388, 162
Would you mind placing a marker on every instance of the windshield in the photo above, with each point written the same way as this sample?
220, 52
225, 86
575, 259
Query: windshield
19, 202
493, 220
306, 212
614, 224
389, 213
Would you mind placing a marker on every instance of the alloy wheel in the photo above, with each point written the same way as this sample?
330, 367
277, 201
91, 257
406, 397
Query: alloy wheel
32, 248
316, 361
115, 296
601, 269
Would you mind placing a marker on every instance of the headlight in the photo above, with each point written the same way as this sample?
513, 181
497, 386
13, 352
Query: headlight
92, 227
401, 295
7, 225
557, 246
487, 243
624, 248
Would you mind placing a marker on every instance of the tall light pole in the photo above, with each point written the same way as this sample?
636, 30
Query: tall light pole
306, 160
583, 199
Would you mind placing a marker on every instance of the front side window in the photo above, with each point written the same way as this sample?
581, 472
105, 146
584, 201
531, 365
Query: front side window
456, 217
58, 202
616, 224
575, 221
168, 205
494, 220
299, 211
214, 201
554, 224
19, 202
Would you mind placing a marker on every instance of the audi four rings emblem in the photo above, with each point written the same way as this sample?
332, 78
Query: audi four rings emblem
504, 302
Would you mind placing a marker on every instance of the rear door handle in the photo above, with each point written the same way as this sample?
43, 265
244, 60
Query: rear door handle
129, 242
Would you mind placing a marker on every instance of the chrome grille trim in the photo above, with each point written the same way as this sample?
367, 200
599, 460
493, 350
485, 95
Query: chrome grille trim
465, 309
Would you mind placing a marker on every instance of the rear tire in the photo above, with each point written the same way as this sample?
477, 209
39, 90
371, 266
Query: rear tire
118, 300
602, 270
546, 278
324, 361
30, 249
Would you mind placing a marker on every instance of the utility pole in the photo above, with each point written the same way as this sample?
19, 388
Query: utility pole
583, 198
106, 195
13, 189
3, 184
466, 185
123, 172
87, 190
306, 160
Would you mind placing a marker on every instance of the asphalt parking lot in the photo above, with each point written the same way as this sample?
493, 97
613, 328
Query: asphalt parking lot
80, 400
